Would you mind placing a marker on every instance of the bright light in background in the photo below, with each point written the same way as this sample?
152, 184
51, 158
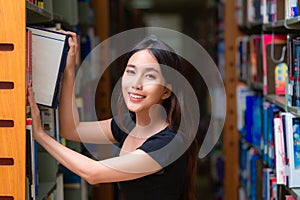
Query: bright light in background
142, 4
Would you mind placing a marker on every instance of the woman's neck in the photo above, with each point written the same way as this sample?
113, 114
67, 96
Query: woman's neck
152, 120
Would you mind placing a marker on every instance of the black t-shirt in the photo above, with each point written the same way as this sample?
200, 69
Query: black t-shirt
167, 183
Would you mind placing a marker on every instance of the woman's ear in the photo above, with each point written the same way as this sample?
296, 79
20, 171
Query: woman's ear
167, 92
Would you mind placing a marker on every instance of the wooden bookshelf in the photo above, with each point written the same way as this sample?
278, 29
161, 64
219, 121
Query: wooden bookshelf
12, 99
281, 26
230, 133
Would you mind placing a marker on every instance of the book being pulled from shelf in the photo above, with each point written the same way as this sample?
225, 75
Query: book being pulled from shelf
49, 55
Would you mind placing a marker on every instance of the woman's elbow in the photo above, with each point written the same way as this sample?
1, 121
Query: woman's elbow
91, 179
69, 134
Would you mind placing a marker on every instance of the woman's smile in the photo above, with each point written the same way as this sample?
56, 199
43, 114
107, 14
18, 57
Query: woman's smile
135, 98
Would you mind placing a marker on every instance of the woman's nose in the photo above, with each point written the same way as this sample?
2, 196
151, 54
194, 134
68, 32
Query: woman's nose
137, 83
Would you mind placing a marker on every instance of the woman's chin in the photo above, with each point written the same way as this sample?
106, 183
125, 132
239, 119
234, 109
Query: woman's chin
134, 108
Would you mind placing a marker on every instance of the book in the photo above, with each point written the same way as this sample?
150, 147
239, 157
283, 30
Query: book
49, 55
28, 60
277, 42
256, 74
253, 177
281, 74
242, 92
273, 111
292, 132
49, 121
257, 125
289, 197
291, 9
267, 176
264, 145
31, 161
279, 151
275, 81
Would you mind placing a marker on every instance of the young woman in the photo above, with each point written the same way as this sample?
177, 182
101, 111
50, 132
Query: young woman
150, 164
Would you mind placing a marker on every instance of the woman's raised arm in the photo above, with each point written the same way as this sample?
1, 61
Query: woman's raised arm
70, 126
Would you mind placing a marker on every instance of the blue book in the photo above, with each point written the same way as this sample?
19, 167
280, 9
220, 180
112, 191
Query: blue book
272, 112
267, 174
257, 121
265, 132
249, 118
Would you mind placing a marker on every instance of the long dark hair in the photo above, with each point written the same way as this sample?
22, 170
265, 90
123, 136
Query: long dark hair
173, 105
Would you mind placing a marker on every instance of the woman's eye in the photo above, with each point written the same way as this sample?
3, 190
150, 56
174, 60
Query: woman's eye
130, 71
150, 76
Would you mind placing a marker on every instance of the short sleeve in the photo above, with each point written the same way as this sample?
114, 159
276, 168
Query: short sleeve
164, 147
118, 134
157, 141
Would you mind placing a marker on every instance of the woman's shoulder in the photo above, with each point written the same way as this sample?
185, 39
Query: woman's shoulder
165, 147
166, 136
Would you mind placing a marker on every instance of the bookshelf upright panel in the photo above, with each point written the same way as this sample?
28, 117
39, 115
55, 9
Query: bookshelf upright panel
12, 99
231, 136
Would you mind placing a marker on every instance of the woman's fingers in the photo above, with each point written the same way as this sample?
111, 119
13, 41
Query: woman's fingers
35, 112
34, 108
30, 94
72, 40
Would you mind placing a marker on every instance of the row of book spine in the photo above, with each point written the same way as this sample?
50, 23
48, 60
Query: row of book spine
271, 136
265, 11
259, 181
256, 65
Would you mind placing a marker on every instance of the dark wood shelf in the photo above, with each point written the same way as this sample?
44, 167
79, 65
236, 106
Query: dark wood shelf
36, 15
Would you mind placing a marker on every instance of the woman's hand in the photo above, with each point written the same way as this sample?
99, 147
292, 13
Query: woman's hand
35, 113
73, 44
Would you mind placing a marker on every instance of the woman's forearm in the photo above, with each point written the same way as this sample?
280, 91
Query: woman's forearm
68, 113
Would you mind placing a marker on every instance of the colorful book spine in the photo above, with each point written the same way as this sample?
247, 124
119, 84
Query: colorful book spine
291, 9
281, 75
31, 160
28, 60
289, 197
293, 150
272, 112
267, 174
279, 152
268, 67
266, 106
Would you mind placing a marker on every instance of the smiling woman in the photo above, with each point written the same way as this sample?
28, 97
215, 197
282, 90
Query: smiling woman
157, 158
149, 80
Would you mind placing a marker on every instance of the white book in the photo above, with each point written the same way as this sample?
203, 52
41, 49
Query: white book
279, 152
293, 152
49, 54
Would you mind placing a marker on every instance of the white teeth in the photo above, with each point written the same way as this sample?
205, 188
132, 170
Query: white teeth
136, 96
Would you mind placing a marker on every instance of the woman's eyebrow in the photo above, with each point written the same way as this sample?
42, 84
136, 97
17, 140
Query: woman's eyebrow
152, 69
130, 65
146, 69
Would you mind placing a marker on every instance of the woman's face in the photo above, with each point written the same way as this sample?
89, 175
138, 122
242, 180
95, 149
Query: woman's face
143, 84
